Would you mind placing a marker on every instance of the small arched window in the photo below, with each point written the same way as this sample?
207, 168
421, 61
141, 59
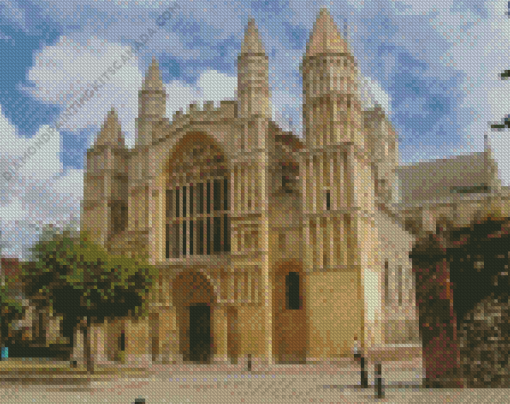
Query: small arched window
292, 291
386, 281
400, 286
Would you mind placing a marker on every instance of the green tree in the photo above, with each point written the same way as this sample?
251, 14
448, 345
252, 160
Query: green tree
84, 283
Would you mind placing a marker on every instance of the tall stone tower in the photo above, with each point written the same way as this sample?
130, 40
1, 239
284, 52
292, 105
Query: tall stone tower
151, 112
249, 180
151, 104
338, 194
105, 209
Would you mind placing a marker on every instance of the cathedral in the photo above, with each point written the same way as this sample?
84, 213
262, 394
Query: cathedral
283, 248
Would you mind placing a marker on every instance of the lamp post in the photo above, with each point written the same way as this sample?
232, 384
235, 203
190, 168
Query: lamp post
358, 354
364, 373
379, 389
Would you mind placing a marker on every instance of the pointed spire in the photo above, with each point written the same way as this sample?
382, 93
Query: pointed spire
325, 36
153, 79
252, 43
111, 133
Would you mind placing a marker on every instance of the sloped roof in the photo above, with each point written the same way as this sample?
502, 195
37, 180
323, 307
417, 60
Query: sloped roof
429, 180
111, 132
325, 37
251, 42
152, 80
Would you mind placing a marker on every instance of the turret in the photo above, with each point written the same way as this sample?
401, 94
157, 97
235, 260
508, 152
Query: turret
332, 108
253, 76
111, 132
152, 104
339, 228
106, 183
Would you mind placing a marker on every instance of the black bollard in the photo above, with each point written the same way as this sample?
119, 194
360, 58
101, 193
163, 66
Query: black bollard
379, 389
364, 374
249, 362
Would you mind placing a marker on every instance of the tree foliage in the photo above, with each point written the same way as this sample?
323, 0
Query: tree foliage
10, 309
81, 280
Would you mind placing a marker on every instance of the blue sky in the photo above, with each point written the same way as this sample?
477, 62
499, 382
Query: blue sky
433, 65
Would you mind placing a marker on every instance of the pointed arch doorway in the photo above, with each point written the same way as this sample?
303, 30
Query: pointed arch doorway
194, 300
199, 332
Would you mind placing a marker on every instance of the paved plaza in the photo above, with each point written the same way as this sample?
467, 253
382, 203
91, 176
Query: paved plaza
231, 384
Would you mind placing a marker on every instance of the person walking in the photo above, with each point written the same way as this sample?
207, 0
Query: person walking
357, 348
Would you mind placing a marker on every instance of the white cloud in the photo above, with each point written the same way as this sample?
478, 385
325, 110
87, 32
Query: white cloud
70, 184
216, 86
482, 56
8, 140
44, 162
40, 154
39, 191
372, 92
117, 21
13, 212
211, 86
285, 106
180, 95
478, 48
64, 72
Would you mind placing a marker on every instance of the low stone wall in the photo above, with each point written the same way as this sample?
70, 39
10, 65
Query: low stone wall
484, 344
395, 353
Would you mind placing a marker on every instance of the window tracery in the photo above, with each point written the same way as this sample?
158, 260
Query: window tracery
197, 204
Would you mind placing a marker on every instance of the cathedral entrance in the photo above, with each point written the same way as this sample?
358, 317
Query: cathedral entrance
199, 332
290, 322
193, 298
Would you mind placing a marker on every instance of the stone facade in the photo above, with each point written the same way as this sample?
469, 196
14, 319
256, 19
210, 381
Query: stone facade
283, 248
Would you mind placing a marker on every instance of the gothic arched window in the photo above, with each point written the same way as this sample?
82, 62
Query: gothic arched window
197, 204
386, 281
400, 284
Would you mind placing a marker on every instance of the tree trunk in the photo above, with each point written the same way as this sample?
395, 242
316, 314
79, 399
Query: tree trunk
3, 330
41, 328
86, 343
